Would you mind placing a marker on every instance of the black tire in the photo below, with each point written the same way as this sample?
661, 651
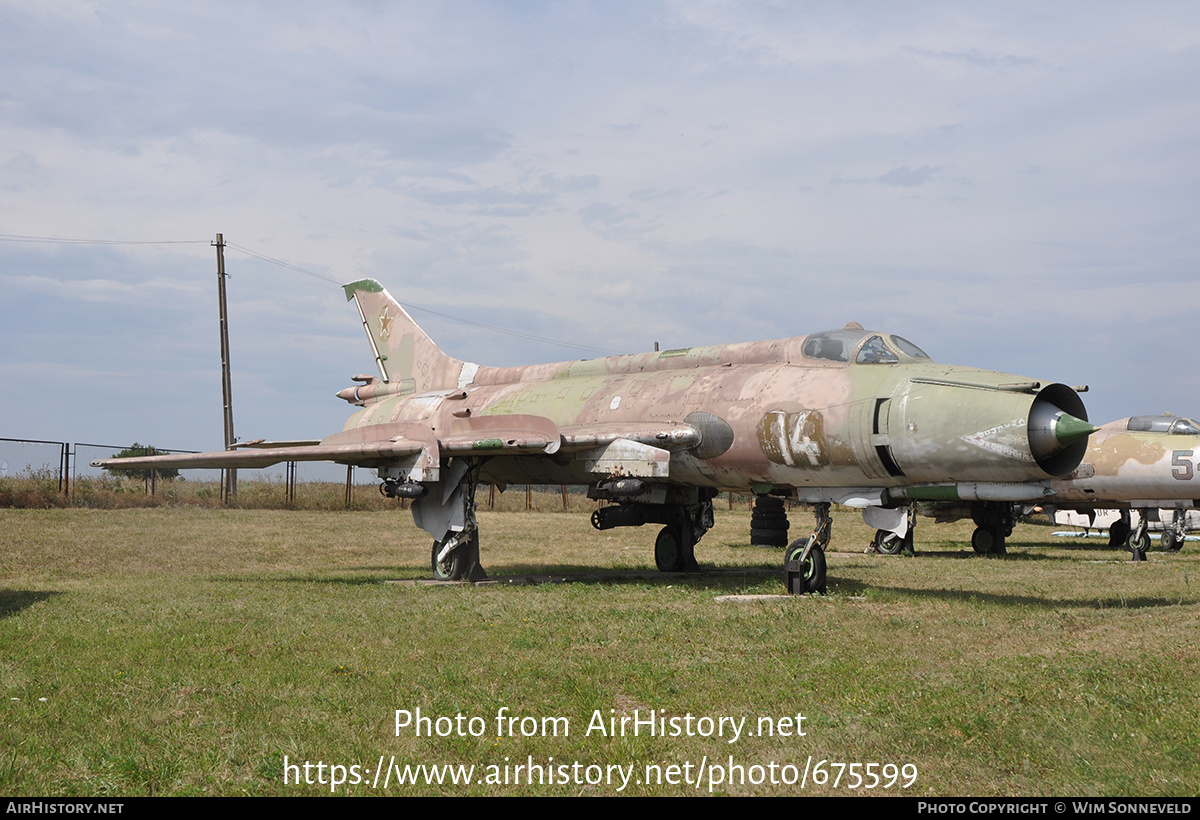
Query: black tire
1170, 542
810, 577
983, 541
1138, 545
452, 568
768, 538
1118, 532
888, 543
668, 550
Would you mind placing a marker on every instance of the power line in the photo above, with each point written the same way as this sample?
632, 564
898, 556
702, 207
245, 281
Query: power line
281, 263
54, 240
518, 333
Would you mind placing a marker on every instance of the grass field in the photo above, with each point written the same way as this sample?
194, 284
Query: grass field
191, 651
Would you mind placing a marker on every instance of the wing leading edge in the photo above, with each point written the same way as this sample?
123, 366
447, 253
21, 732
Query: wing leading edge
608, 449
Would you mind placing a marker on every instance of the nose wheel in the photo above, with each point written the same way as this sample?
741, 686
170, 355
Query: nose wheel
805, 565
804, 560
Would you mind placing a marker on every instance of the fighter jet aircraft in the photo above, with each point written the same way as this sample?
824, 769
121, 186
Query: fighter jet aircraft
1143, 463
852, 416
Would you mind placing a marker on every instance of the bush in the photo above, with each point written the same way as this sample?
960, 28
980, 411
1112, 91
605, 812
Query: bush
136, 450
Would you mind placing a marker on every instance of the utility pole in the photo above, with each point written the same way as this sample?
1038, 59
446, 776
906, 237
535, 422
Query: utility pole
229, 485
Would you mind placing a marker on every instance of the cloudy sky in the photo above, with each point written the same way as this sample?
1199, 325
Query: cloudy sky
1013, 186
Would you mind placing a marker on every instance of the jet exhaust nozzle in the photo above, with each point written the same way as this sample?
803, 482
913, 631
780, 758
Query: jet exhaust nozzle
1058, 429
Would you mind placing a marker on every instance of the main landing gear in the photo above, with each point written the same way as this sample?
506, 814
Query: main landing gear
686, 512
994, 522
1174, 533
1119, 530
804, 560
887, 542
446, 510
1171, 540
456, 558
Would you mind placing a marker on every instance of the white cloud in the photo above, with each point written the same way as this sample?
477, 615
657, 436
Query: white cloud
624, 172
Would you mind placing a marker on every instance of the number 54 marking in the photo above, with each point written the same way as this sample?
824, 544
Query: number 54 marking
1183, 467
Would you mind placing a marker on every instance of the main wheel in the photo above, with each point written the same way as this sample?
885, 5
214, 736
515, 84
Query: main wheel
809, 577
451, 567
1170, 542
982, 541
888, 543
668, 550
1118, 531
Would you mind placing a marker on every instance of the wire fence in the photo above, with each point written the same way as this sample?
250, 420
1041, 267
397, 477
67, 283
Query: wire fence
66, 468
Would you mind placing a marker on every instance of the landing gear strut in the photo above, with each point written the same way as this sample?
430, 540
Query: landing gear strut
994, 522
448, 509
687, 514
1174, 533
456, 558
804, 560
887, 542
1138, 541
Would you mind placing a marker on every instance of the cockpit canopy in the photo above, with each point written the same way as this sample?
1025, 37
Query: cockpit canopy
861, 347
1166, 423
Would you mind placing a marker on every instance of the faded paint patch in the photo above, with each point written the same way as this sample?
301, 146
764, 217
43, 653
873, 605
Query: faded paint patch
1115, 451
794, 439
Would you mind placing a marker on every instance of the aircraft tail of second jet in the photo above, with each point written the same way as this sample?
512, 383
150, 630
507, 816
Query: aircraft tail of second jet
403, 351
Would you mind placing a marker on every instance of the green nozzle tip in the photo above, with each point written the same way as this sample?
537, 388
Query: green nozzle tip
1069, 429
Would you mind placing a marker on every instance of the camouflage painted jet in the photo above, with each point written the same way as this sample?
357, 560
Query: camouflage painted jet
1143, 463
849, 416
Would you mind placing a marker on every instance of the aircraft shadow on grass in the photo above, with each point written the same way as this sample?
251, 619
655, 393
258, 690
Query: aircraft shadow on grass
15, 601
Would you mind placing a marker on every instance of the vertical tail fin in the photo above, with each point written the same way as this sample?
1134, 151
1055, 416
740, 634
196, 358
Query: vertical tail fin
403, 351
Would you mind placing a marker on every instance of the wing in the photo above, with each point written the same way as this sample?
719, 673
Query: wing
626, 448
413, 445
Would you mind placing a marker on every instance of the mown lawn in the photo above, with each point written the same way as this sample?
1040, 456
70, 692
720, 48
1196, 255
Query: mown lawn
190, 651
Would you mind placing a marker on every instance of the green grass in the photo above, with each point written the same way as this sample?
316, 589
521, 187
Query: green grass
189, 650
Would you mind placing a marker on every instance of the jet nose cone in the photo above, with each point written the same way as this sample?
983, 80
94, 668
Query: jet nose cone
1052, 429
1069, 429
